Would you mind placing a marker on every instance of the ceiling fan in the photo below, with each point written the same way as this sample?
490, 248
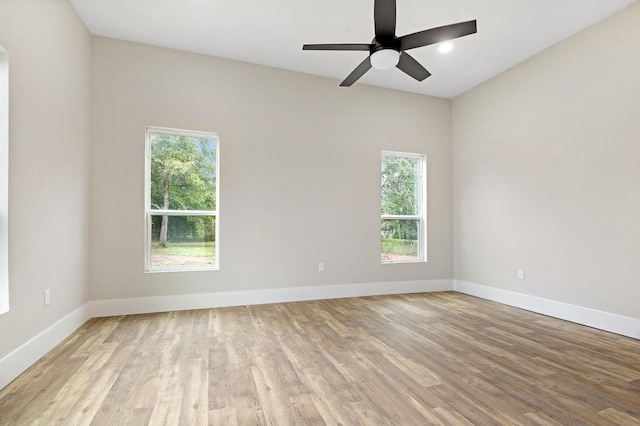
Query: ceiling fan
386, 50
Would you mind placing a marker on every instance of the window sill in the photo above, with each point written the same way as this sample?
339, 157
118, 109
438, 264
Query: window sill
156, 271
402, 262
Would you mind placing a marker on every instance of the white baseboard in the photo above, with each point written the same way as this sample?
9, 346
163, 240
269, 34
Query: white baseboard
626, 326
141, 305
15, 363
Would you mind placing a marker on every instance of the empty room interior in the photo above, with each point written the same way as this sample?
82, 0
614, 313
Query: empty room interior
204, 222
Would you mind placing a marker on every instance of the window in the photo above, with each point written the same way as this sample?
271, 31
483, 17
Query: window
181, 200
4, 181
402, 196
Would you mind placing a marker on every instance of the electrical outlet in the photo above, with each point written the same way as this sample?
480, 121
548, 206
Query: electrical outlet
320, 266
47, 297
521, 274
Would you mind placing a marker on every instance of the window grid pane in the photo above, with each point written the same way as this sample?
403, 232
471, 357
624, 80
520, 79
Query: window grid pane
189, 241
183, 172
400, 240
400, 185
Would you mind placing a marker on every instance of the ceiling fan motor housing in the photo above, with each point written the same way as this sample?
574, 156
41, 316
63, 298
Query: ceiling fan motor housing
389, 43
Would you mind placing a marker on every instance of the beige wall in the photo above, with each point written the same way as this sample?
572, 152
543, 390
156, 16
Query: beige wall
299, 171
49, 54
547, 172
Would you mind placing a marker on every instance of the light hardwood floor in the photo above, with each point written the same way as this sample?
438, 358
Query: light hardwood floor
437, 358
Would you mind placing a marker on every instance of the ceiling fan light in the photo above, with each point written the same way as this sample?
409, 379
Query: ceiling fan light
445, 47
385, 59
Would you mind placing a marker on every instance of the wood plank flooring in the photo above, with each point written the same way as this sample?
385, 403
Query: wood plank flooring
437, 358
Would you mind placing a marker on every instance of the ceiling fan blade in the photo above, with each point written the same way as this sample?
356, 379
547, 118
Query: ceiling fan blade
437, 35
384, 17
412, 67
357, 73
343, 46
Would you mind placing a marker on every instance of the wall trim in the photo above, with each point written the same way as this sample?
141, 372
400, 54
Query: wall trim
16, 362
142, 305
619, 324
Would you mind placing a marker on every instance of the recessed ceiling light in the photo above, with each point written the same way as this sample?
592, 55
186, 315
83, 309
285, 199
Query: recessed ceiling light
445, 47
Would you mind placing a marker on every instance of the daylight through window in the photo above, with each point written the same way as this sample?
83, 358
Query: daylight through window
4, 181
182, 200
402, 195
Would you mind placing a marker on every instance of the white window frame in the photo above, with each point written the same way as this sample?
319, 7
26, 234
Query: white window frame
4, 181
149, 212
421, 217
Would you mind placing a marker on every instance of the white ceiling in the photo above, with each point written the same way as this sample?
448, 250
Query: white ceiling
272, 32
